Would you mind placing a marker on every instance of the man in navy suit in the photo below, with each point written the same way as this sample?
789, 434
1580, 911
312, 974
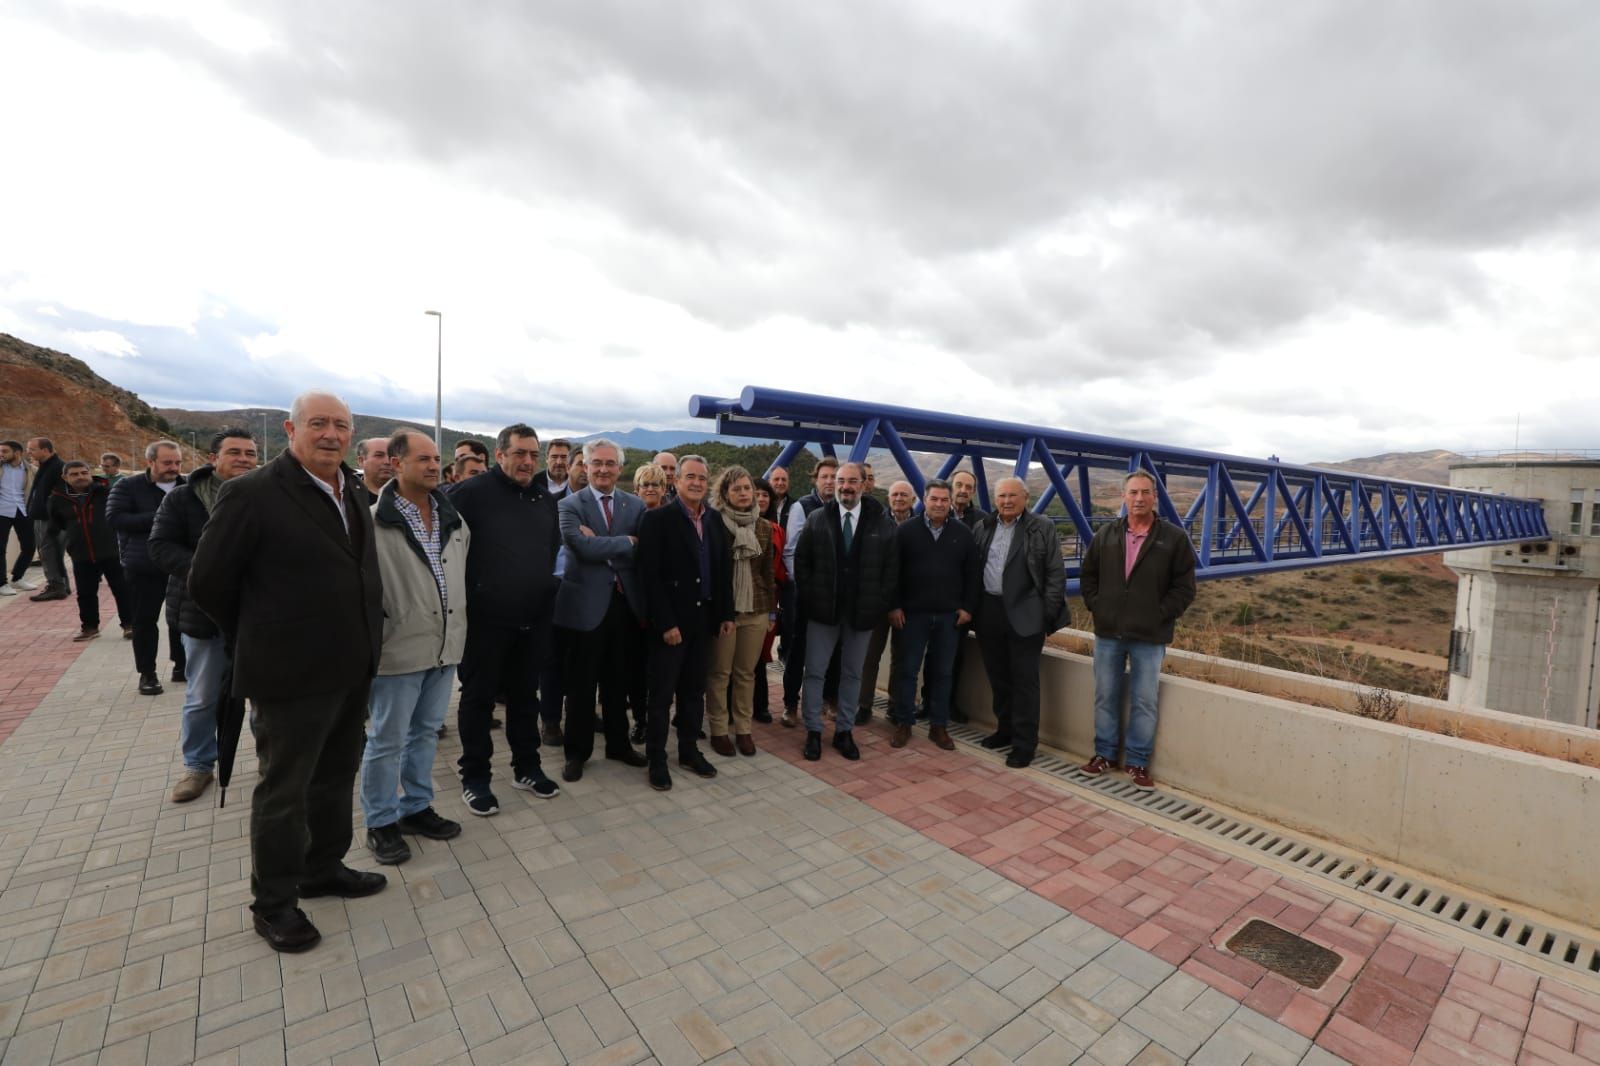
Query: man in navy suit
688, 584
599, 606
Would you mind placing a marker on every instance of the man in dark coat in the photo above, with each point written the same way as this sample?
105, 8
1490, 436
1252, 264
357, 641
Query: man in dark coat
684, 560
174, 536
132, 510
51, 551
847, 570
77, 512
511, 589
286, 567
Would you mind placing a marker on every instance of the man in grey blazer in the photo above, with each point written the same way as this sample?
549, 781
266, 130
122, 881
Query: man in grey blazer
599, 607
1024, 601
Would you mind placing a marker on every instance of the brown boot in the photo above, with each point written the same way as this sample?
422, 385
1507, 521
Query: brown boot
722, 745
745, 743
941, 736
190, 786
902, 734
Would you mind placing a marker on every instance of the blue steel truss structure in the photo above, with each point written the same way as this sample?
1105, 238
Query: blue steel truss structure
1245, 516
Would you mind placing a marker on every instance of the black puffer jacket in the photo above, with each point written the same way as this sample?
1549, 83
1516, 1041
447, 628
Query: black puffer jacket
132, 511
173, 536
82, 517
857, 589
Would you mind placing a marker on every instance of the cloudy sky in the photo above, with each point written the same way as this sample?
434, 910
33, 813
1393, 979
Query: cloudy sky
1313, 229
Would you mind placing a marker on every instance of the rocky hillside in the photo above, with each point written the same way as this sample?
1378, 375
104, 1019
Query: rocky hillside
45, 393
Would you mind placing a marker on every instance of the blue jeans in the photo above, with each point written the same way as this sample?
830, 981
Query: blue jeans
402, 738
820, 642
1143, 663
934, 634
204, 661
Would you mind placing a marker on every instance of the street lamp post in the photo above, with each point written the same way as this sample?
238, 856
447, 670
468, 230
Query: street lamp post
438, 391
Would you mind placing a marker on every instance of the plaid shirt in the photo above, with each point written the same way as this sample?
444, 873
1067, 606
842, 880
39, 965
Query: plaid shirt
429, 539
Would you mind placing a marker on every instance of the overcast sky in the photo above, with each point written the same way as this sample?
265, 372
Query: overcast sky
1313, 229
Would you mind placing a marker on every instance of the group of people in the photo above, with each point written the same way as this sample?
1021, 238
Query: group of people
347, 605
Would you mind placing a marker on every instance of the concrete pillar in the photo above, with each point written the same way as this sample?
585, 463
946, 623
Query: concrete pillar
1527, 628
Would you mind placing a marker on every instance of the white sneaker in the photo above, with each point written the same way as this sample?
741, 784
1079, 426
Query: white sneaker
7, 590
25, 585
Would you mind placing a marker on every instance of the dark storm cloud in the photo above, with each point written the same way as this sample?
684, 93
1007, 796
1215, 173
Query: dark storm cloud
1074, 189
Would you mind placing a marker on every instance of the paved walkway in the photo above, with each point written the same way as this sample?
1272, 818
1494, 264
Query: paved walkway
917, 906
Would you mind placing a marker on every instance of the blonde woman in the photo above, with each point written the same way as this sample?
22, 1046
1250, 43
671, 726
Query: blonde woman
755, 605
650, 485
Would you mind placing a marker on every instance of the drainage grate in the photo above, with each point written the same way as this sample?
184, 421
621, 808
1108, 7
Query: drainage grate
1439, 902
1285, 953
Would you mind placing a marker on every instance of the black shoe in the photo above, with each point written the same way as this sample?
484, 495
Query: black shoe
628, 758
1017, 760
150, 685
538, 784
696, 763
552, 736
177, 676
573, 770
660, 779
495, 723
996, 741
427, 823
636, 736
864, 715
387, 845
49, 594
287, 930
764, 717
813, 746
346, 884
480, 801
845, 744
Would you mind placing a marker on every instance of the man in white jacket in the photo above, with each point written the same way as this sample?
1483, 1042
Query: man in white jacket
422, 555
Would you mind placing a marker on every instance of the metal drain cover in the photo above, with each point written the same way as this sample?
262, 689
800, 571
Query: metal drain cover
1284, 953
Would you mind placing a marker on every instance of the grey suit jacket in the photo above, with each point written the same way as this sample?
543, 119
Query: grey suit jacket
593, 563
1033, 583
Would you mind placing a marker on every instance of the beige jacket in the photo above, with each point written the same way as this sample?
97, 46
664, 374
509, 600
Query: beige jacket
418, 632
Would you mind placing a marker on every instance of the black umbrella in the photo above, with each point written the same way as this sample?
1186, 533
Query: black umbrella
230, 723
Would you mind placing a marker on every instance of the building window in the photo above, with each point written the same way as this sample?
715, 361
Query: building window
1594, 516
1461, 652
1575, 526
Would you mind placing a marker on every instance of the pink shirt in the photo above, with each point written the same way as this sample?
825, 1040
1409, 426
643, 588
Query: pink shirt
1130, 550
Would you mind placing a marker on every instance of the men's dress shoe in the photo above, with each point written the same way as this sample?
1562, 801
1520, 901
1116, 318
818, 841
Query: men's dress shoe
49, 594
387, 845
190, 785
845, 744
85, 633
428, 823
996, 741
941, 736
745, 743
696, 763
287, 930
572, 771
150, 685
864, 714
722, 745
552, 735
495, 723
127, 632
813, 746
660, 779
764, 717
1019, 759
628, 758
902, 734
177, 676
636, 736
347, 883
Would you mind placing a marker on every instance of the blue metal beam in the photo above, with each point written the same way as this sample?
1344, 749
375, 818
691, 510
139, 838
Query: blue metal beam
1294, 516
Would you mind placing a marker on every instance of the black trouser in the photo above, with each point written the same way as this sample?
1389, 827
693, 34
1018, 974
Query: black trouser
22, 526
678, 671
600, 657
794, 667
87, 573
498, 659
52, 555
149, 594
551, 687
1013, 665
639, 681
309, 751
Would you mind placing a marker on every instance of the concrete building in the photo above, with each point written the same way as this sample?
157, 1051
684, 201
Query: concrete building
1527, 625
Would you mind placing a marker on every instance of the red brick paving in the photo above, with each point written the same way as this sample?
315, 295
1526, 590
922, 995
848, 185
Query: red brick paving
1401, 994
39, 648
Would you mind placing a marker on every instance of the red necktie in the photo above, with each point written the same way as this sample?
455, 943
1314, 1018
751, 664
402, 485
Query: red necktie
605, 505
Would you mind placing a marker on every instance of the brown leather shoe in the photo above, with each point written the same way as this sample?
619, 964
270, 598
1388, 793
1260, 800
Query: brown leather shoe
941, 736
722, 745
745, 743
902, 734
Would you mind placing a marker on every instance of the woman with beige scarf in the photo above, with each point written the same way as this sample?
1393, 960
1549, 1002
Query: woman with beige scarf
755, 604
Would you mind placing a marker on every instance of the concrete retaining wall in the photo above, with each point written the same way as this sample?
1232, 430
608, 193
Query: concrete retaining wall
1519, 826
